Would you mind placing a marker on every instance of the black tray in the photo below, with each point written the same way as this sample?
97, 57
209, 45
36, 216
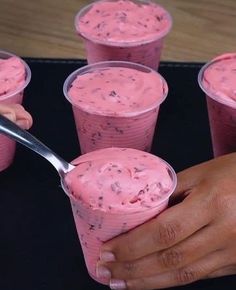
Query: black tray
39, 248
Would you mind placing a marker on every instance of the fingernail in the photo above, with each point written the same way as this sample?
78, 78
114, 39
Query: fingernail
107, 257
117, 284
103, 272
24, 124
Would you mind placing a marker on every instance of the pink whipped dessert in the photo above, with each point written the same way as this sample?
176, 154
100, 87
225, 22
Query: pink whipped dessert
12, 75
116, 104
124, 30
112, 191
219, 78
117, 91
218, 81
124, 21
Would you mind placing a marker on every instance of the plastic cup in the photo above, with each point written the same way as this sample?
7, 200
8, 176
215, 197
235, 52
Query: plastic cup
95, 225
221, 113
97, 130
7, 145
143, 51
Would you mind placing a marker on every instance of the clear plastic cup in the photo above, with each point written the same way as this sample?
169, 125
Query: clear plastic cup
97, 129
143, 51
7, 145
95, 225
221, 113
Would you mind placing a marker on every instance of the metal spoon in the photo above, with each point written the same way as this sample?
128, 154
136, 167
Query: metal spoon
13, 131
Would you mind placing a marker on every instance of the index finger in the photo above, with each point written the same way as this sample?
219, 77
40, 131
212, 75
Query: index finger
170, 227
190, 177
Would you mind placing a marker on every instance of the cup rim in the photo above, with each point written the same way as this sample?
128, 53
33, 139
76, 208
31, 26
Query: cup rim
27, 79
104, 64
228, 102
163, 199
160, 35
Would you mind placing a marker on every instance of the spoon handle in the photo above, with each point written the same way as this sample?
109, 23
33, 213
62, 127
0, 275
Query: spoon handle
13, 131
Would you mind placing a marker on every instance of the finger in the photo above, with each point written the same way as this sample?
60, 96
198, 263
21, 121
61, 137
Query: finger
8, 112
229, 270
187, 180
190, 177
21, 113
168, 229
17, 114
184, 253
24, 124
23, 118
4, 108
188, 274
10, 107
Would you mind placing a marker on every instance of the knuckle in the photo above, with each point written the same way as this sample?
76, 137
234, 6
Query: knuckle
185, 276
171, 258
166, 234
130, 269
223, 201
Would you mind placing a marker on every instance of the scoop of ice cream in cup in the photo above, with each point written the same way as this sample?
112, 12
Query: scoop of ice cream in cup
111, 190
115, 104
218, 80
128, 30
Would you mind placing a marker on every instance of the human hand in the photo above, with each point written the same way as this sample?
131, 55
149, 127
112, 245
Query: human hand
191, 240
17, 114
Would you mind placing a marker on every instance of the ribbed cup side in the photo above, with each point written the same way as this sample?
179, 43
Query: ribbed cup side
147, 54
97, 132
222, 119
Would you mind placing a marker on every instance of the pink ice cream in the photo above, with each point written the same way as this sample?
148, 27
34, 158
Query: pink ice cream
218, 81
124, 21
124, 30
116, 178
12, 75
116, 106
220, 78
112, 191
117, 91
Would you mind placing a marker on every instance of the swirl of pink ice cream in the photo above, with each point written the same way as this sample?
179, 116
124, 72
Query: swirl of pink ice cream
124, 21
112, 179
219, 78
118, 91
12, 75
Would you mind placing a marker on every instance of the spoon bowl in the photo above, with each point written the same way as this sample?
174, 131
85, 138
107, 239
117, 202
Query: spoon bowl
13, 131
